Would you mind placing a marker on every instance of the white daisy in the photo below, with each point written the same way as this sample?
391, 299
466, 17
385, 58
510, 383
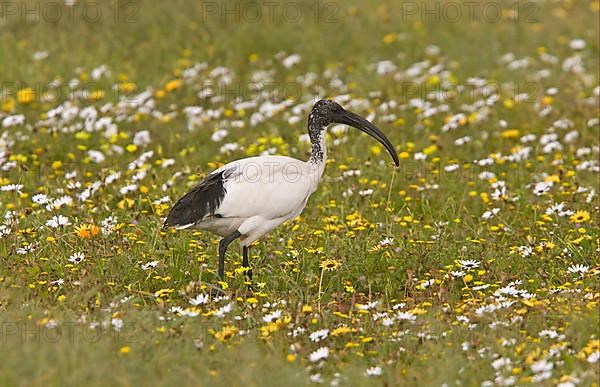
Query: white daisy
374, 371
320, 354
271, 317
77, 258
319, 335
58, 221
468, 263
199, 299
578, 269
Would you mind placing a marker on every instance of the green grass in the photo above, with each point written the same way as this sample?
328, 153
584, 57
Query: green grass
110, 320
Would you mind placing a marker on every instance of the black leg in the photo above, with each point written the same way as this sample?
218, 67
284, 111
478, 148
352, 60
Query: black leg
245, 262
223, 244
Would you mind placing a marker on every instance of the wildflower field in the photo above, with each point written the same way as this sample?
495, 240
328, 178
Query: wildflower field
473, 263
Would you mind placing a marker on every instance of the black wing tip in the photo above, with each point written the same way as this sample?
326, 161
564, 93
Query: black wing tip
166, 225
179, 216
203, 200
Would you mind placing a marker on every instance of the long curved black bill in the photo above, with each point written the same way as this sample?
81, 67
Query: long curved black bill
356, 121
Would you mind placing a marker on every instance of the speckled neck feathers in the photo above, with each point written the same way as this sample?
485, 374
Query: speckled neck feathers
316, 132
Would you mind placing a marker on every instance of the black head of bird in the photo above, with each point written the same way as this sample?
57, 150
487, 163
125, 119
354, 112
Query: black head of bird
326, 112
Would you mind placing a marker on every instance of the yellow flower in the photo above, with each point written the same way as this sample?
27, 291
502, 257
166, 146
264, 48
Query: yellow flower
307, 309
547, 100
8, 105
163, 293
510, 133
433, 80
580, 217
87, 231
484, 197
430, 149
390, 38
508, 103
82, 135
268, 329
173, 85
95, 95
125, 350
127, 202
25, 95
400, 122
342, 330
226, 333
330, 264
128, 87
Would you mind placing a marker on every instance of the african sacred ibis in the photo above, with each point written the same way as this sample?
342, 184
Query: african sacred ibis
248, 198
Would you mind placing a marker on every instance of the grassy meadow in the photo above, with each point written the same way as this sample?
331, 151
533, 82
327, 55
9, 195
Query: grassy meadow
473, 263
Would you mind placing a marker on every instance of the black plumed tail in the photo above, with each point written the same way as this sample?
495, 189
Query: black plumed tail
203, 200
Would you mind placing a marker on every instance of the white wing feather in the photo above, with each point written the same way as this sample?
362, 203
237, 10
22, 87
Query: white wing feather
268, 186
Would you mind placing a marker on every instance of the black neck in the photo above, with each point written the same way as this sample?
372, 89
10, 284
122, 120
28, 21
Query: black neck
315, 132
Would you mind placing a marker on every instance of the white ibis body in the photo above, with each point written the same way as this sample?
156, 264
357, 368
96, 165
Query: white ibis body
248, 198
